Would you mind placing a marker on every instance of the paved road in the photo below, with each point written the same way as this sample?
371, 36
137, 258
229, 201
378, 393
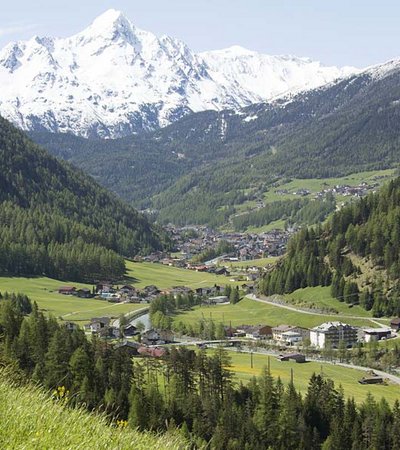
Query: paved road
312, 313
136, 314
393, 378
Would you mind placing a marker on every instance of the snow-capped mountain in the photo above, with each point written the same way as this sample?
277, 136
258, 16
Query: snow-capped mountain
114, 79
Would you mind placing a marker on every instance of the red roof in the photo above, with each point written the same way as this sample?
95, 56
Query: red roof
155, 352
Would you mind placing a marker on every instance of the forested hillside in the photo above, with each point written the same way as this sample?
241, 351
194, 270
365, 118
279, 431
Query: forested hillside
198, 169
357, 252
54, 220
191, 393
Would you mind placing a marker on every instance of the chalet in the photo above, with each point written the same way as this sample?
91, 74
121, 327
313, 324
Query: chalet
201, 268
222, 271
67, 290
97, 324
153, 352
151, 290
110, 332
110, 296
376, 334
259, 332
130, 330
203, 291
217, 300
183, 290
70, 326
298, 357
277, 332
371, 378
106, 288
291, 337
84, 293
127, 289
395, 324
230, 331
153, 337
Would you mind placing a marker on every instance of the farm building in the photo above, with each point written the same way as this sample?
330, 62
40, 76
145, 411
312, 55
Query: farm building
376, 334
298, 357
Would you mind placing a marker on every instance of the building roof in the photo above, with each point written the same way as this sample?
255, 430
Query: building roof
291, 333
377, 330
283, 328
327, 326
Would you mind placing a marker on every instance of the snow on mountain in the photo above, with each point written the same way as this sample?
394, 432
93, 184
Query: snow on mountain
114, 79
264, 77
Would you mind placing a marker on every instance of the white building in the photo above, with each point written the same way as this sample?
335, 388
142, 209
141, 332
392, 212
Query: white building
291, 337
332, 333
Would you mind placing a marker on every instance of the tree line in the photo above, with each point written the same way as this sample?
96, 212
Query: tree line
368, 229
190, 390
56, 221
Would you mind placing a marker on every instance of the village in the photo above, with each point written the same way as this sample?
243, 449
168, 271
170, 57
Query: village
143, 340
191, 241
341, 189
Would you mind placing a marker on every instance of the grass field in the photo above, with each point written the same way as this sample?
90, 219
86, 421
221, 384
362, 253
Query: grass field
44, 290
318, 184
250, 312
320, 297
144, 274
31, 420
314, 185
274, 225
348, 378
261, 262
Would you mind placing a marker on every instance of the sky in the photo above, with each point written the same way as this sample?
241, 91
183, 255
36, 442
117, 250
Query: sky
336, 32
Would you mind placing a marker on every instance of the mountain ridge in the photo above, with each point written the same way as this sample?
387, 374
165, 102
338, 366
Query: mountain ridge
214, 157
56, 221
114, 79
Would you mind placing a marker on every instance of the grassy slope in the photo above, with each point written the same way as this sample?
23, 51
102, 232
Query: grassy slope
320, 297
261, 262
314, 185
252, 313
318, 184
143, 274
31, 420
347, 377
44, 290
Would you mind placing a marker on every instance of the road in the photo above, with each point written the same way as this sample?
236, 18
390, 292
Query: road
393, 378
312, 313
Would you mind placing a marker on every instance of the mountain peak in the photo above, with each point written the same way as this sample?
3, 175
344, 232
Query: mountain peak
111, 24
111, 16
113, 79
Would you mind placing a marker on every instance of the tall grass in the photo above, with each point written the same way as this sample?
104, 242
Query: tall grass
30, 419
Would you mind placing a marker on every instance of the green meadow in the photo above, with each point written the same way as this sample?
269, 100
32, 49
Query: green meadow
250, 312
143, 274
315, 185
44, 290
260, 262
30, 419
320, 297
346, 377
